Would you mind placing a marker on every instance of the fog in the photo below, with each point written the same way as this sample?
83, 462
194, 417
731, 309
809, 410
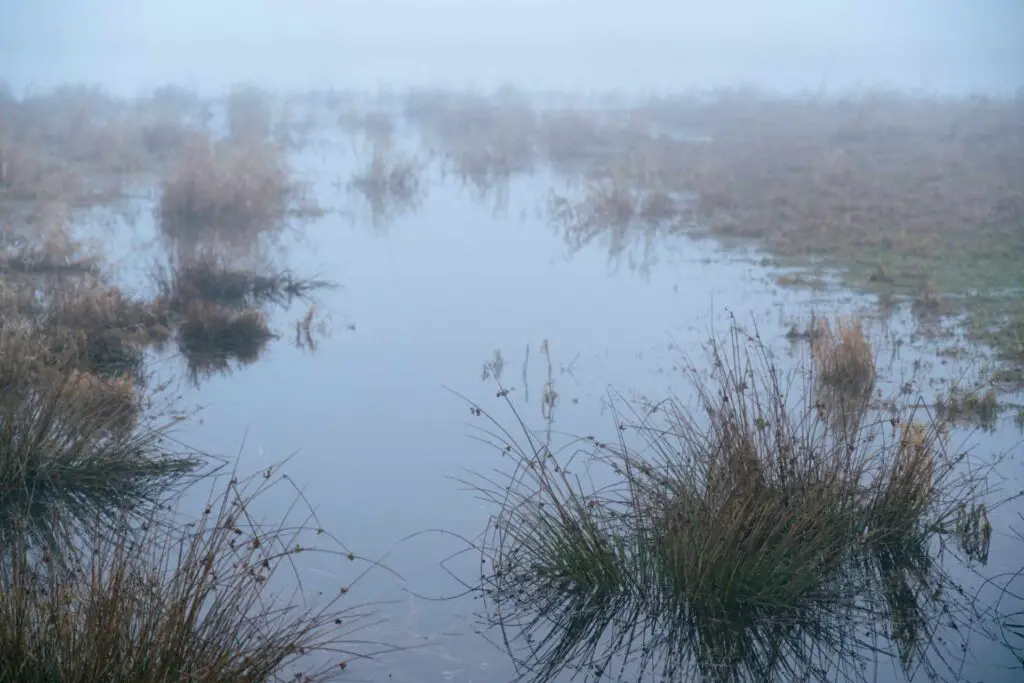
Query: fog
640, 45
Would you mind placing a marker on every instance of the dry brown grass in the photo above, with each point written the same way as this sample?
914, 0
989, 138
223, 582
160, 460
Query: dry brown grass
742, 515
232, 193
82, 146
843, 359
922, 189
218, 601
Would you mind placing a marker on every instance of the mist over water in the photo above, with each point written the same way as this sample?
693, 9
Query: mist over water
579, 251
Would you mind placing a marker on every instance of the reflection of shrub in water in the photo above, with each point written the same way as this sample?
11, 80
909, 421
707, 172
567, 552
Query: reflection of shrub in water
219, 601
388, 173
744, 541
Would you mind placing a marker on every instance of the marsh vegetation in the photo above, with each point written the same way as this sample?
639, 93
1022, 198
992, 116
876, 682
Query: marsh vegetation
774, 517
740, 536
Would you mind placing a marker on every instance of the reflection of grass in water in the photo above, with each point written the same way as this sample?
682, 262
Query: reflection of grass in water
618, 211
743, 542
214, 280
211, 337
390, 182
981, 409
218, 601
72, 456
218, 310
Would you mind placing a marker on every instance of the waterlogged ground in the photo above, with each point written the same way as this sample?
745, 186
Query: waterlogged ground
463, 287
440, 294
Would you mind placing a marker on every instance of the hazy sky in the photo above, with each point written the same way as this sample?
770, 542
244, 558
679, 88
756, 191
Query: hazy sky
134, 43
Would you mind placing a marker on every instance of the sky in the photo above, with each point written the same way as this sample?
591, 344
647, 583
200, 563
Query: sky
653, 44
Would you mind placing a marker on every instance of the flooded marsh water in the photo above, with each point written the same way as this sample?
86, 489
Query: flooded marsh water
463, 281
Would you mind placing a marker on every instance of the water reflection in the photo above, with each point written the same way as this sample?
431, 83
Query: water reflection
221, 310
390, 182
432, 302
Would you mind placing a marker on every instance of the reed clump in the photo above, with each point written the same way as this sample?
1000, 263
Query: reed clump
75, 453
737, 514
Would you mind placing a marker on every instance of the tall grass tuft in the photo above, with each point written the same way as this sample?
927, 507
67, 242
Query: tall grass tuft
746, 536
73, 452
220, 601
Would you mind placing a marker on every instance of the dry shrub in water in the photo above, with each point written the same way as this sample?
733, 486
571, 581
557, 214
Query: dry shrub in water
977, 408
843, 358
232, 192
220, 601
749, 538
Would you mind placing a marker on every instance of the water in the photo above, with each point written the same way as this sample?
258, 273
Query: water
378, 417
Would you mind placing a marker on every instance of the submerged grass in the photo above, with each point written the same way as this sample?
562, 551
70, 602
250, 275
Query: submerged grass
748, 537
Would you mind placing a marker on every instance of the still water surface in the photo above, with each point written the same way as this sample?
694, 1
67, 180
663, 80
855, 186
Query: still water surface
377, 416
